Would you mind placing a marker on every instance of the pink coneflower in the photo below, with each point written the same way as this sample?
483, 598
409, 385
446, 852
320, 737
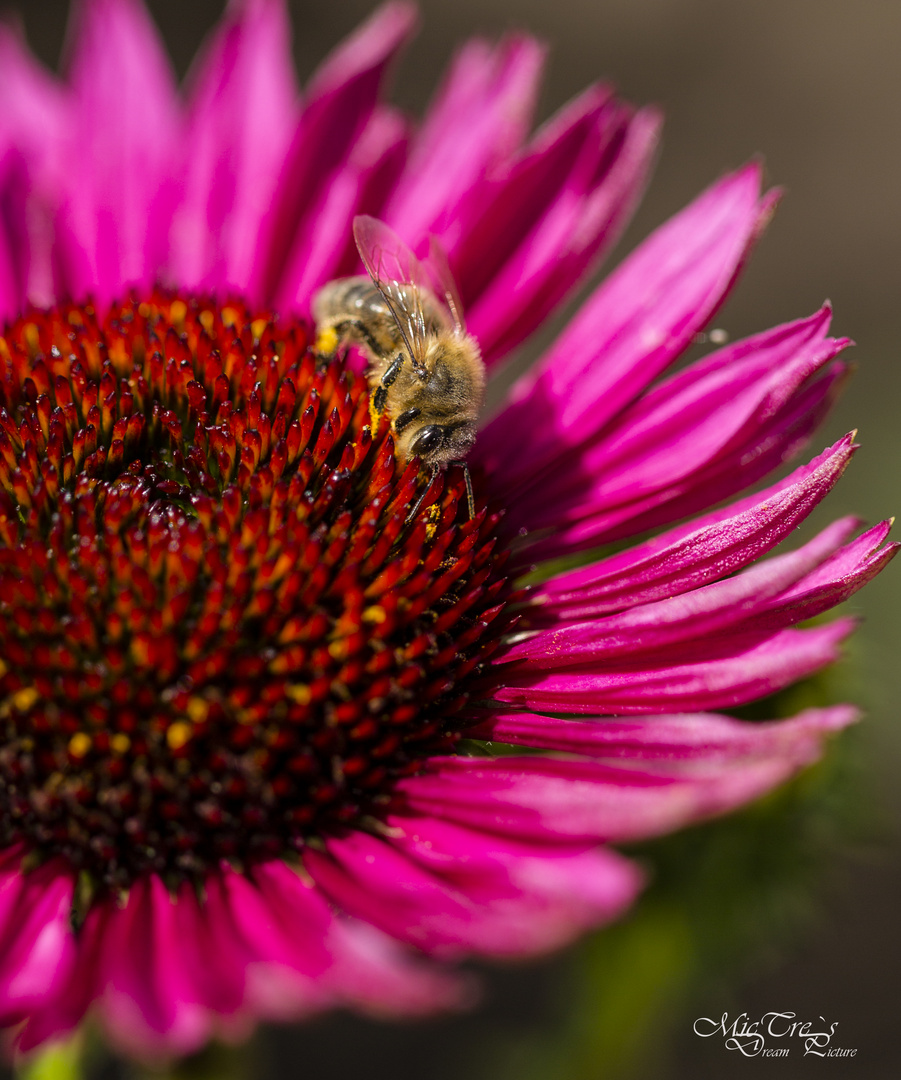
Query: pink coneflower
251, 704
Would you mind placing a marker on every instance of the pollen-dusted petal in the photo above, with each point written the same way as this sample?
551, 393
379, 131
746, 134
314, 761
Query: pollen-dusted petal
631, 328
692, 555
243, 104
114, 221
539, 798
731, 670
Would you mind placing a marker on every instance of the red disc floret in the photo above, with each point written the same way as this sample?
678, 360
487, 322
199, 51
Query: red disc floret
225, 626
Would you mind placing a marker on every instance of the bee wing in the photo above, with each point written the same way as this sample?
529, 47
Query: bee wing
446, 287
391, 264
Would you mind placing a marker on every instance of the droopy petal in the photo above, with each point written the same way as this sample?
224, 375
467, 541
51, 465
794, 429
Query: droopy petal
633, 326
731, 670
113, 228
449, 890
546, 798
691, 555
242, 111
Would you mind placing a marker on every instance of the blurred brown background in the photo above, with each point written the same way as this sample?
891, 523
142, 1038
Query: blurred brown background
815, 86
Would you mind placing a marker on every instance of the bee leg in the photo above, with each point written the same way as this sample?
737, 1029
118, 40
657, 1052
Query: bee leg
380, 397
470, 500
411, 517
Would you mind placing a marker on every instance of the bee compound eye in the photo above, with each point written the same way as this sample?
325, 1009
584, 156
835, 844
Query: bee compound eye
429, 439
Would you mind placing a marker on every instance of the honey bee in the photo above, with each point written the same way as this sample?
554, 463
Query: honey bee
425, 372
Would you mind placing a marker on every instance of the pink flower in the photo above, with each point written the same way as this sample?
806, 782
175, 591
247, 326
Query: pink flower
246, 701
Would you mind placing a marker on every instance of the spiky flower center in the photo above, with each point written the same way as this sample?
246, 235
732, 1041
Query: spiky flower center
222, 631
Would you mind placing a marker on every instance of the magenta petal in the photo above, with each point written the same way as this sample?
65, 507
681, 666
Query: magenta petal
694, 554
37, 948
544, 798
730, 670
761, 450
691, 420
242, 112
62, 1011
480, 117
709, 610
150, 1005
366, 968
574, 230
689, 739
448, 890
113, 228
629, 330
341, 99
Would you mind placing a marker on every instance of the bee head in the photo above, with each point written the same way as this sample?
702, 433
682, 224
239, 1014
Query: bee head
438, 444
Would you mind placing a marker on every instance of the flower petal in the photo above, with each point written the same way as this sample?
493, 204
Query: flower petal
694, 554
540, 798
450, 890
731, 670
340, 101
632, 327
767, 595
113, 229
479, 118
37, 948
242, 111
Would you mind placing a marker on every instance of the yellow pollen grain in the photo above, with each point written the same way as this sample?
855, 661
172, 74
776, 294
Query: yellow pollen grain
3, 668
207, 321
197, 709
229, 316
177, 311
120, 743
144, 310
178, 734
258, 326
338, 649
25, 698
299, 693
376, 614
79, 744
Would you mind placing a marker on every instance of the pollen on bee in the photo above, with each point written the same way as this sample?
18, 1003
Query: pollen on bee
327, 341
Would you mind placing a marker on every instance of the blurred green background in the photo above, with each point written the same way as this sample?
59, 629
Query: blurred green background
792, 905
